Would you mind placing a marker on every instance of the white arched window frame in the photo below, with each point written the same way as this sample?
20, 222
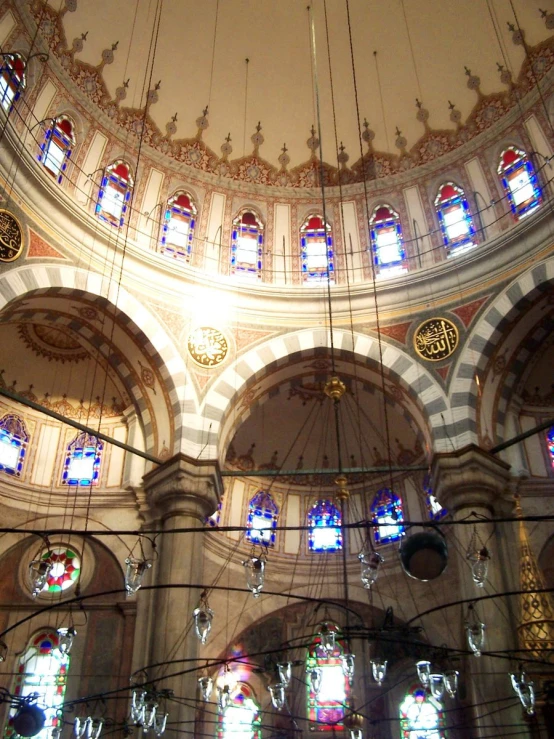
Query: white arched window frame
326, 708
12, 79
57, 146
316, 250
42, 670
115, 193
455, 221
386, 240
14, 440
178, 226
247, 243
520, 182
83, 458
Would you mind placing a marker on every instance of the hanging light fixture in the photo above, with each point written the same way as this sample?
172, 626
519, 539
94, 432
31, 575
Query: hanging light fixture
226, 683
475, 630
379, 670
285, 672
138, 706
423, 552
423, 672
150, 710
205, 683
480, 557
451, 682
65, 639
3, 651
39, 570
255, 573
29, 719
134, 574
277, 693
525, 690
315, 674
203, 616
328, 637
370, 562
354, 722
160, 722
348, 666
436, 685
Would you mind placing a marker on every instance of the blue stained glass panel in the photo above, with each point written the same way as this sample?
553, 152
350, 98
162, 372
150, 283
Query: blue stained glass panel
520, 182
386, 239
262, 519
324, 521
82, 461
434, 508
316, 251
387, 517
421, 716
456, 224
13, 444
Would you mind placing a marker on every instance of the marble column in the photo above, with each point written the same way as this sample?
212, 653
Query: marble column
181, 493
471, 480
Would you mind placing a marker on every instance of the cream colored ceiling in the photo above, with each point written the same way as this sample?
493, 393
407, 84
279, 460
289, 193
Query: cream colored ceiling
446, 35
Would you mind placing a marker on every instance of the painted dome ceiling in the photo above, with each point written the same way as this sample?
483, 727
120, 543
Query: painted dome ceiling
421, 66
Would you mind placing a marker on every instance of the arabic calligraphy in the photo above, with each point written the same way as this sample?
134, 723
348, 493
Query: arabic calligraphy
435, 339
207, 346
11, 237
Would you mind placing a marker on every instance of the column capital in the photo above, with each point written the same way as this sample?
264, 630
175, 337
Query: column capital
470, 478
184, 486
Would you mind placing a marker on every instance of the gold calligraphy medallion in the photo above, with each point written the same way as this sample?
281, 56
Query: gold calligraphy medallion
11, 237
207, 346
436, 339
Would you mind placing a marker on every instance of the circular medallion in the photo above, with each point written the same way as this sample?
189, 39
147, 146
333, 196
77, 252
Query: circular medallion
65, 565
436, 339
207, 346
11, 237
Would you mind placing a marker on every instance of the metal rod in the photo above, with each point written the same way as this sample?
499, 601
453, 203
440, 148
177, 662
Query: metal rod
334, 471
521, 437
80, 426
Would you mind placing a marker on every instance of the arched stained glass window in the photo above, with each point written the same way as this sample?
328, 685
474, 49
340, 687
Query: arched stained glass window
550, 445
115, 193
13, 444
12, 80
316, 249
262, 519
520, 182
43, 670
247, 245
65, 569
434, 508
56, 148
241, 717
324, 521
326, 708
454, 217
421, 716
178, 226
386, 239
387, 517
82, 461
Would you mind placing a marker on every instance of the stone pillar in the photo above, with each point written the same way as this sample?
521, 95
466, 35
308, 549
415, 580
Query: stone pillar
181, 493
472, 480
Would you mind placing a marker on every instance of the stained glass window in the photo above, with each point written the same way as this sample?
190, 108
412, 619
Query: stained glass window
421, 716
262, 519
13, 444
213, 520
386, 239
434, 508
178, 226
247, 245
56, 148
550, 445
454, 217
42, 670
324, 521
82, 461
66, 566
316, 248
327, 707
241, 718
387, 517
115, 193
12, 79
520, 182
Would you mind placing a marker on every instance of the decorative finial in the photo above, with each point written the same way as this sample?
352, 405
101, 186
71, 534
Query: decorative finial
422, 113
226, 147
257, 139
342, 155
174, 118
473, 82
313, 141
284, 158
171, 127
202, 123
121, 92
505, 74
368, 135
455, 115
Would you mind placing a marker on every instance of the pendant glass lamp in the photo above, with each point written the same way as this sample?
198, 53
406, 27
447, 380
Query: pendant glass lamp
423, 672
81, 727
277, 693
285, 672
160, 722
223, 697
328, 639
379, 670
316, 676
451, 682
150, 710
475, 630
29, 720
354, 722
525, 690
39, 570
205, 683
348, 666
255, 573
96, 725
480, 567
134, 573
436, 685
138, 706
203, 616
370, 562
3, 651
65, 639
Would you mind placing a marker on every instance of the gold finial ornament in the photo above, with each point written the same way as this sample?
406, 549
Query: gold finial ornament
335, 388
343, 493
